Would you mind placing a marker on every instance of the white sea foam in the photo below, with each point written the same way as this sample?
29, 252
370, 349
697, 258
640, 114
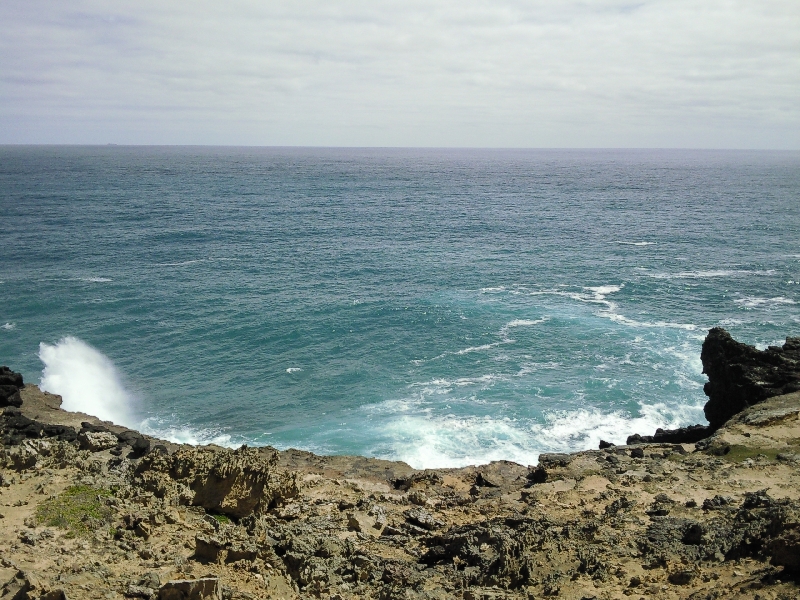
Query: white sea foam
183, 263
435, 386
160, 428
566, 431
483, 347
96, 279
755, 302
86, 379
490, 290
293, 370
618, 318
599, 295
765, 345
731, 322
635, 243
8, 326
520, 323
601, 291
450, 441
710, 274
424, 440
474, 349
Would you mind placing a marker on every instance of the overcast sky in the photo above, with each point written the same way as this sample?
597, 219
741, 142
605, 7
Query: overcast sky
500, 73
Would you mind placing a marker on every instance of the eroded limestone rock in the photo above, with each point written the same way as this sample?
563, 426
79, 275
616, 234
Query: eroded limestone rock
233, 482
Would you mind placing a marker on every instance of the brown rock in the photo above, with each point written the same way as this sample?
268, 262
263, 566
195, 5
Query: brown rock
206, 588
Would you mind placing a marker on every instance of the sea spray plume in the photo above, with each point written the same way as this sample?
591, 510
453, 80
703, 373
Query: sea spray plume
86, 379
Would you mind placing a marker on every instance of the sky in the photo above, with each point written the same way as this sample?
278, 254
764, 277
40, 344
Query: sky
442, 73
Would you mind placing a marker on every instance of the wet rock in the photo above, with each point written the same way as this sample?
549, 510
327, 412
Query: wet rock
740, 376
604, 444
683, 435
206, 588
638, 439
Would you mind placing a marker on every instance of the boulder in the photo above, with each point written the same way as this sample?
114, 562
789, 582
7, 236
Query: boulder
139, 444
205, 588
740, 376
422, 518
16, 588
96, 441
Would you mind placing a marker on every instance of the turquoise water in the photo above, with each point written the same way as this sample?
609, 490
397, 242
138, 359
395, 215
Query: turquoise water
443, 307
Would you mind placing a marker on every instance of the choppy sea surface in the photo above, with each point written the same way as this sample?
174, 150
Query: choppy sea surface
442, 307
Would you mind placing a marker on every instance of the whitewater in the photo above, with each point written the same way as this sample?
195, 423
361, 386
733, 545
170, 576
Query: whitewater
441, 307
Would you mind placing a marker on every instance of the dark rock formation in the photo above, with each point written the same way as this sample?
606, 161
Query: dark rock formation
16, 427
740, 375
684, 435
10, 385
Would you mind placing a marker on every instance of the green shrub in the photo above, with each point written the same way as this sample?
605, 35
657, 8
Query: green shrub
79, 509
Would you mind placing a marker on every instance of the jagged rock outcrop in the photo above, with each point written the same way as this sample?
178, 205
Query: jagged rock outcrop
234, 483
740, 376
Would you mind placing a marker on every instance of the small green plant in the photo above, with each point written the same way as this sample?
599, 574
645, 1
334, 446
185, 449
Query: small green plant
78, 509
223, 519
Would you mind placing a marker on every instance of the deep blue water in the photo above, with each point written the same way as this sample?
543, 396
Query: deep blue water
443, 307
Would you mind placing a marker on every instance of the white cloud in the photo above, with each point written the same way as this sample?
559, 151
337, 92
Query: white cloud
503, 73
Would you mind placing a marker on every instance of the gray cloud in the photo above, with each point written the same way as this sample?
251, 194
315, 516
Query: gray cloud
656, 73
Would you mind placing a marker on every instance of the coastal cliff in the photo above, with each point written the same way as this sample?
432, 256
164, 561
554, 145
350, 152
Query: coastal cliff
93, 510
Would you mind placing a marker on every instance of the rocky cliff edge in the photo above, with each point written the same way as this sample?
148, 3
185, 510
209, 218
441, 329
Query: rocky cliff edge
92, 510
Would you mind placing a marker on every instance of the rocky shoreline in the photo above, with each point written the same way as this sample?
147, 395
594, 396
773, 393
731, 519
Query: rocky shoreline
89, 509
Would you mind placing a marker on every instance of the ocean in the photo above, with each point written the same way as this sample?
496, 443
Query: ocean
441, 307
